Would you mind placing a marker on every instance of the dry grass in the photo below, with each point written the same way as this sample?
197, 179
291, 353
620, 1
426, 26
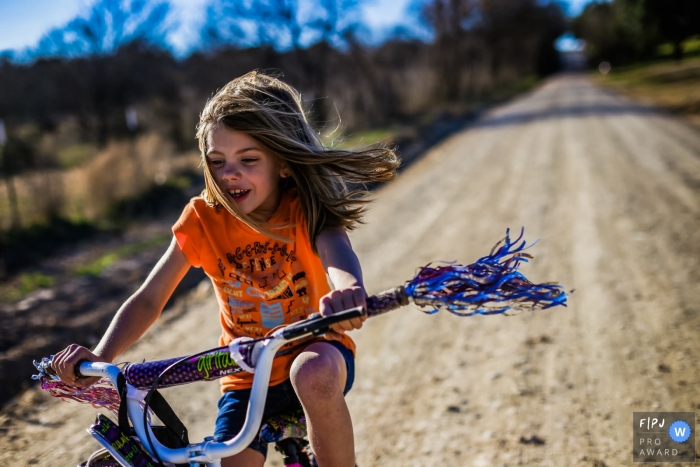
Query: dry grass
674, 86
123, 169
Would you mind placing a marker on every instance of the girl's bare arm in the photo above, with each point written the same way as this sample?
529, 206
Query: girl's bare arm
132, 320
341, 263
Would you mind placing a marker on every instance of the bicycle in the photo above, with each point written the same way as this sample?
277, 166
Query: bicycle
492, 285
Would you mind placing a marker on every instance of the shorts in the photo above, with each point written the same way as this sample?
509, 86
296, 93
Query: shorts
280, 399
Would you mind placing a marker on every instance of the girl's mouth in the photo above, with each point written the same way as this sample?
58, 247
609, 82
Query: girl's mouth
238, 195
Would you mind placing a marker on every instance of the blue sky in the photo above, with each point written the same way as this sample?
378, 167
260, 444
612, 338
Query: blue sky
23, 22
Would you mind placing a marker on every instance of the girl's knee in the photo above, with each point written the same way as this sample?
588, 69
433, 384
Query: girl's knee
318, 373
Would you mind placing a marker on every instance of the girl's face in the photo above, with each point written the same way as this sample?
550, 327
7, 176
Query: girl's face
246, 171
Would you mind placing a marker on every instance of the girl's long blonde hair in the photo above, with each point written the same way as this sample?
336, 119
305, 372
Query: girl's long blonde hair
270, 111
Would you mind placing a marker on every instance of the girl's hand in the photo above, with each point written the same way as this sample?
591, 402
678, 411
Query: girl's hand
340, 300
64, 365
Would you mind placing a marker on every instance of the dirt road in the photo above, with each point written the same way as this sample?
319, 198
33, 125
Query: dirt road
611, 189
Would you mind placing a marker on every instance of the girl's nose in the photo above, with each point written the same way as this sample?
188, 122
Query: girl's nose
231, 171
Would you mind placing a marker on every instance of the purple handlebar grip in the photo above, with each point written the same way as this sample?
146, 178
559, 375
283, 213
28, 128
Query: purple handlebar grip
212, 365
386, 301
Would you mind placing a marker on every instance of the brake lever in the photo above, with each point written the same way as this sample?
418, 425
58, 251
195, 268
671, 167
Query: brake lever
45, 369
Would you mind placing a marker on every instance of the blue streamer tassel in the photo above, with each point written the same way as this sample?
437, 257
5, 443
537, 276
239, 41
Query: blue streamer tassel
490, 286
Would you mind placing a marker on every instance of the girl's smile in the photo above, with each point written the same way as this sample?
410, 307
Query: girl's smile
246, 170
239, 195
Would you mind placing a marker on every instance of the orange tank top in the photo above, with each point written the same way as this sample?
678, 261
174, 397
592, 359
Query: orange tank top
260, 283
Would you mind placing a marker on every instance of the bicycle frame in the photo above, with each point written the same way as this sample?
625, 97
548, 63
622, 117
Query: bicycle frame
257, 358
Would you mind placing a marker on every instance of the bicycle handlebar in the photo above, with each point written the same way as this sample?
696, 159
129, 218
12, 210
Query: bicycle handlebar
217, 362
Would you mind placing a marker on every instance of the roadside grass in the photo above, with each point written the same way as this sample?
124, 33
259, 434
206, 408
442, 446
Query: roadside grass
666, 83
361, 138
23, 249
84, 182
28, 282
690, 46
25, 284
95, 267
75, 155
456, 110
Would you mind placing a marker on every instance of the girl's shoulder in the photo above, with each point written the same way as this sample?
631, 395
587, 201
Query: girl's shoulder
200, 206
198, 211
197, 202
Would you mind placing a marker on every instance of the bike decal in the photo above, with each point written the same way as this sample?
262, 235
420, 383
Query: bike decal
220, 361
121, 445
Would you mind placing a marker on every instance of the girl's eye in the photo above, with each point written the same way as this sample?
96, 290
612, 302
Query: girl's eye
249, 160
216, 162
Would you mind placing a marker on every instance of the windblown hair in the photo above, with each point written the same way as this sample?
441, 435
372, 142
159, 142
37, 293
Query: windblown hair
270, 111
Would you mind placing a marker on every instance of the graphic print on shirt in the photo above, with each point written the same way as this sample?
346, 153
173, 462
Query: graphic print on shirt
280, 291
300, 283
251, 257
272, 315
263, 283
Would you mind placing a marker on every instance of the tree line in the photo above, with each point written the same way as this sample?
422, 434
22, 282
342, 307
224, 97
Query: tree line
626, 31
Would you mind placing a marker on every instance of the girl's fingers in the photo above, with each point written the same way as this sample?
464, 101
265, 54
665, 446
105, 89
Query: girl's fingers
340, 300
65, 361
345, 302
353, 298
62, 366
327, 307
360, 298
333, 336
69, 364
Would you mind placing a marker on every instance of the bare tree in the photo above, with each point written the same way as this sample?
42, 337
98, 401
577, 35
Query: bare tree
502, 39
109, 25
450, 21
309, 33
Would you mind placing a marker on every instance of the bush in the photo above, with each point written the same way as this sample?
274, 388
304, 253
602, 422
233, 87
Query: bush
22, 248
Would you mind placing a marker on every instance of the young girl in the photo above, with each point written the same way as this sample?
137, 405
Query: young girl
269, 225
